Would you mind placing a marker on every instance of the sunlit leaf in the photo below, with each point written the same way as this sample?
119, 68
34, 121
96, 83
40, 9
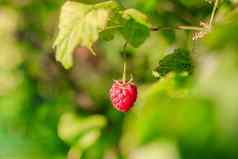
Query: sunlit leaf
137, 16
80, 24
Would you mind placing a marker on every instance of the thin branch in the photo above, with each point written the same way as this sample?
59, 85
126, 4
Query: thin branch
213, 13
194, 28
113, 27
160, 28
179, 27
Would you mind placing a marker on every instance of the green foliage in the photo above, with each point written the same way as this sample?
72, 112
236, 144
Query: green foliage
192, 3
47, 112
81, 24
168, 110
178, 61
225, 33
107, 35
73, 129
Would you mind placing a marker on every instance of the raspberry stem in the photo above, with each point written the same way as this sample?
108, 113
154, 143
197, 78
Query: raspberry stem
124, 73
124, 65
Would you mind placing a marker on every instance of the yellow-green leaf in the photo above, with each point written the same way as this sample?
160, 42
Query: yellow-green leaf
80, 24
138, 16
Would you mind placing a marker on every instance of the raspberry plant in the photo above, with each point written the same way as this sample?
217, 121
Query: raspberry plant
47, 112
82, 25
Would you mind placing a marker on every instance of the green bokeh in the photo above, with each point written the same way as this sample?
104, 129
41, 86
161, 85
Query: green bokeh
47, 112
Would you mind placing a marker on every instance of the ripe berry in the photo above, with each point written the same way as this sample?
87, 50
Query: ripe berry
123, 95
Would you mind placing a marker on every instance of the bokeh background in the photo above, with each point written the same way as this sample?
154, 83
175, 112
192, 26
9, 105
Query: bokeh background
47, 112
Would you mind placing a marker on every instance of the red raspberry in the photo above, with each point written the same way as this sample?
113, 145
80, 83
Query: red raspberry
123, 95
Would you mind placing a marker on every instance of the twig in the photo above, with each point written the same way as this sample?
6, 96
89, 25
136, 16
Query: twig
160, 28
113, 27
213, 13
179, 27
195, 28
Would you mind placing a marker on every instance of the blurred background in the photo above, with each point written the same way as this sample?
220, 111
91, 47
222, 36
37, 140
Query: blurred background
47, 112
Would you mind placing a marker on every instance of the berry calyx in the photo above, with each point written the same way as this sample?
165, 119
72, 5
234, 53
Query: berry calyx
123, 95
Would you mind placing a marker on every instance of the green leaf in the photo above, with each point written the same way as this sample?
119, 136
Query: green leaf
75, 129
113, 25
179, 61
80, 24
136, 28
172, 111
137, 16
107, 35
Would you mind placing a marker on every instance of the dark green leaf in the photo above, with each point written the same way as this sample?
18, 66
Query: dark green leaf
135, 33
136, 27
179, 61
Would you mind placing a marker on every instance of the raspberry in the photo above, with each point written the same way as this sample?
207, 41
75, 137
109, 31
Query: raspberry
123, 95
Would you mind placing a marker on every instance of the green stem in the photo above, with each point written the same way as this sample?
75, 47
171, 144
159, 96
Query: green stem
181, 27
124, 65
124, 73
113, 27
213, 13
